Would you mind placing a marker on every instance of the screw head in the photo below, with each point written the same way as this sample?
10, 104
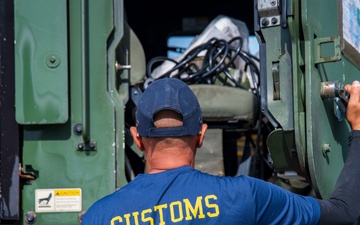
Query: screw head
78, 129
30, 217
80, 146
92, 145
274, 20
52, 61
265, 22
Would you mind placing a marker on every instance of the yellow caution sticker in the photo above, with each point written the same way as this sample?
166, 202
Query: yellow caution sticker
70, 192
58, 200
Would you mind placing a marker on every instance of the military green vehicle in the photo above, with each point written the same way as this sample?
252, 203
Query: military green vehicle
71, 73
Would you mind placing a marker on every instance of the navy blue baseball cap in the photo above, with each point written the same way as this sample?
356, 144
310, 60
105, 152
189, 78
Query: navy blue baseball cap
168, 94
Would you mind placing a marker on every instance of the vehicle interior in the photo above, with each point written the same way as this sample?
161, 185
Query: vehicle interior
226, 80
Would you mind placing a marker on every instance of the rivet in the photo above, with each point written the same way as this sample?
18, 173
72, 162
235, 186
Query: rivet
52, 60
78, 129
265, 22
80, 146
274, 20
92, 145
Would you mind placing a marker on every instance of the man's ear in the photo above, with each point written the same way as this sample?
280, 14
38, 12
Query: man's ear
201, 135
137, 138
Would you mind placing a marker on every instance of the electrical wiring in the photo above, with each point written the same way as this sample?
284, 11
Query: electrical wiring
219, 58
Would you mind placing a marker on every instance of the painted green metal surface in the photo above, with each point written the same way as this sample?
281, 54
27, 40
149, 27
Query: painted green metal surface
312, 39
283, 160
280, 93
278, 64
320, 19
41, 52
85, 151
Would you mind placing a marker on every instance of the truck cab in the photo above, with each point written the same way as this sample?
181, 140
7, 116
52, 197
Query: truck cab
268, 74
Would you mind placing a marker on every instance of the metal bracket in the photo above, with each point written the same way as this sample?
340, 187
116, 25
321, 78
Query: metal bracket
317, 49
269, 11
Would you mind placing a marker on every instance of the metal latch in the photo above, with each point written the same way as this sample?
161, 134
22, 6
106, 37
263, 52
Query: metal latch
317, 49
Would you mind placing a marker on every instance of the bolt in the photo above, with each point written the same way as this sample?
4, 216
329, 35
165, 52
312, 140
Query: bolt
92, 145
118, 66
265, 22
326, 148
272, 3
80, 146
274, 20
30, 217
78, 129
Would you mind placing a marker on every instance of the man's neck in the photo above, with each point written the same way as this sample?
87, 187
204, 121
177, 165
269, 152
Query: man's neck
161, 165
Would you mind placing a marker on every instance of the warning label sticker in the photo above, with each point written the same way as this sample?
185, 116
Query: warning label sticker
58, 200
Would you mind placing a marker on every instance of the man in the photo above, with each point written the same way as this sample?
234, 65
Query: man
169, 129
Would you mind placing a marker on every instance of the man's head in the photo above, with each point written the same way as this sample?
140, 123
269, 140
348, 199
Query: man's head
164, 95
169, 126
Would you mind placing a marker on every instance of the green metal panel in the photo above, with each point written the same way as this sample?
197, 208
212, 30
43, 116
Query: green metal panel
41, 52
278, 63
311, 36
321, 19
279, 91
87, 151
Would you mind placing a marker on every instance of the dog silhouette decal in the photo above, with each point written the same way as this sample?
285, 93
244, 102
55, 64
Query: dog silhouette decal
47, 199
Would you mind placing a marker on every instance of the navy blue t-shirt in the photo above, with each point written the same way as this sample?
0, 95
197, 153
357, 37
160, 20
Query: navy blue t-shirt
188, 196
